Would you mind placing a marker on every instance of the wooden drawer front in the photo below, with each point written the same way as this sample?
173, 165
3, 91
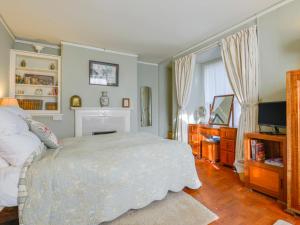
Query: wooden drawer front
196, 150
228, 133
269, 180
230, 158
209, 132
194, 139
223, 156
227, 145
227, 158
193, 129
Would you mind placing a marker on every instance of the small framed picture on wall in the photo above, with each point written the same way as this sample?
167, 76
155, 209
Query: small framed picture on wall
125, 102
102, 73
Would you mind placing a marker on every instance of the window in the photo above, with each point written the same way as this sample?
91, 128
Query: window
216, 82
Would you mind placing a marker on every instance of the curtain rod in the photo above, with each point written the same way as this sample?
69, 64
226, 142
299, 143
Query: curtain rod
213, 45
218, 35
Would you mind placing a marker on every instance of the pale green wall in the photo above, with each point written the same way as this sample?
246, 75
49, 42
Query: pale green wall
279, 47
148, 76
75, 82
165, 97
6, 43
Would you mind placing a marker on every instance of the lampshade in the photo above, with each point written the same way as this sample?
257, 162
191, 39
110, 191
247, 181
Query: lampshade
8, 102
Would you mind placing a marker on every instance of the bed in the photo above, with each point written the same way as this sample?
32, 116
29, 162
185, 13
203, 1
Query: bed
93, 179
9, 178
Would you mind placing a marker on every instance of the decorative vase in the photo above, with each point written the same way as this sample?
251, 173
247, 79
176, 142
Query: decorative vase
104, 99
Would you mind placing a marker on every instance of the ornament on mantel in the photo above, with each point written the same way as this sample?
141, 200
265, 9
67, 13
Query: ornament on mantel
38, 48
104, 99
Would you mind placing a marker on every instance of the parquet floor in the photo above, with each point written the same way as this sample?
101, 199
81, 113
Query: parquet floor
224, 194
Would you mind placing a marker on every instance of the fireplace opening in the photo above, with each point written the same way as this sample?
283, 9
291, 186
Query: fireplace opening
104, 132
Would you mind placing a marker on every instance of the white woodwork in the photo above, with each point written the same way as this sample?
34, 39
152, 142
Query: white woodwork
35, 59
103, 119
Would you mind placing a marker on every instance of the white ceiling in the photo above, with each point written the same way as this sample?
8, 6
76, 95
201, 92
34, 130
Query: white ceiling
153, 29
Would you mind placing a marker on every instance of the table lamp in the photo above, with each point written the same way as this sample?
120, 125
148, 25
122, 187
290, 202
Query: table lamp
6, 101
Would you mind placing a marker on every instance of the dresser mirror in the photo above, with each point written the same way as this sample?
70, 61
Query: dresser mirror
146, 106
221, 110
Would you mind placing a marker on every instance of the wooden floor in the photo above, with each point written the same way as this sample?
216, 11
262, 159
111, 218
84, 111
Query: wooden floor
224, 194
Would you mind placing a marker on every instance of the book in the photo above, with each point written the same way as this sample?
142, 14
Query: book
275, 162
253, 147
260, 154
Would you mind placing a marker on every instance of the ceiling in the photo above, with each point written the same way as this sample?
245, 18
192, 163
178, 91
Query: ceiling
153, 29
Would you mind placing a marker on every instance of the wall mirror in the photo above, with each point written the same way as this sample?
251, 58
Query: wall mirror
146, 106
221, 110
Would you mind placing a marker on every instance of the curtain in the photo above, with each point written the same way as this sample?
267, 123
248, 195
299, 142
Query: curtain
184, 71
216, 82
240, 56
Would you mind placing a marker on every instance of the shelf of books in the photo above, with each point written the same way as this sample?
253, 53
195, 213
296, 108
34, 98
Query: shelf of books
267, 152
35, 81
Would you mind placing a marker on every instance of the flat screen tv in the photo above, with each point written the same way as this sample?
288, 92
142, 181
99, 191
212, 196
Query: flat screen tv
272, 114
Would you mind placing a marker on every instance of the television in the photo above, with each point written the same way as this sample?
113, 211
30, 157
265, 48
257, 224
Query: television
272, 114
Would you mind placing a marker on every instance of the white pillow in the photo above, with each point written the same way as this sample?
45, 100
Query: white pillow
3, 163
15, 149
44, 133
11, 123
17, 111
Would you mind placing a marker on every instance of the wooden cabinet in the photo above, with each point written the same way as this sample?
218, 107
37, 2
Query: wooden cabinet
194, 139
211, 150
293, 148
225, 150
268, 179
227, 145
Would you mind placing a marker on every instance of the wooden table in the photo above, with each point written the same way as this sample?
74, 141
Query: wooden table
200, 132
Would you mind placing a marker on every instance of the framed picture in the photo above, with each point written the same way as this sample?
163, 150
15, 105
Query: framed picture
125, 102
102, 73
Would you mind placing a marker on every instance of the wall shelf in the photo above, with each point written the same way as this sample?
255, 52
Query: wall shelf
52, 96
36, 85
36, 77
36, 70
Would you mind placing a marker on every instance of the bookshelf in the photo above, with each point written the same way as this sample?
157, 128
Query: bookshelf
260, 175
35, 81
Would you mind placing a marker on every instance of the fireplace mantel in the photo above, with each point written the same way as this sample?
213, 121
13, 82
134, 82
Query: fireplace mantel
104, 119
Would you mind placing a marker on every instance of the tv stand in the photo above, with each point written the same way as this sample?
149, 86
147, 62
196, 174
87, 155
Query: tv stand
266, 178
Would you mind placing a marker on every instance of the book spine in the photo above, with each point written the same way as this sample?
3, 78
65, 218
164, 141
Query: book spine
253, 146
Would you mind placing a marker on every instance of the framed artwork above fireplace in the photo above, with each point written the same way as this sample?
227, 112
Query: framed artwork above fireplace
103, 73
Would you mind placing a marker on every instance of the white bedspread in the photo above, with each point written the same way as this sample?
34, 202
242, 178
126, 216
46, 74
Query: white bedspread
9, 178
97, 178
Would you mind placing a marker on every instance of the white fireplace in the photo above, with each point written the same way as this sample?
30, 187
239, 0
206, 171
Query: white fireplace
95, 120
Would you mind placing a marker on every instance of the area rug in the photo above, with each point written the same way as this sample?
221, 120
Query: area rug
282, 222
176, 209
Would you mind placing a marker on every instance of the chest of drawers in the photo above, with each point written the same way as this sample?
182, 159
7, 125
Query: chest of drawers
199, 132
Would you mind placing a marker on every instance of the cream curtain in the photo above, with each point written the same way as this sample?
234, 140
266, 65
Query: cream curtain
184, 71
240, 56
